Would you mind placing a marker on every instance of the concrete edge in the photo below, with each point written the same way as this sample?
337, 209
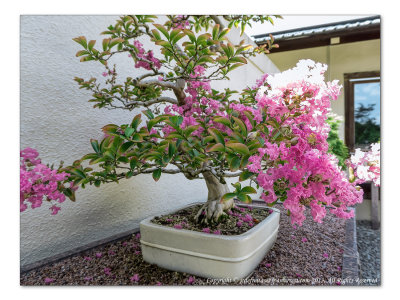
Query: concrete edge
56, 258
351, 261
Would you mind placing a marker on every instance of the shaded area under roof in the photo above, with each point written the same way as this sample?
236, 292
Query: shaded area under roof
320, 35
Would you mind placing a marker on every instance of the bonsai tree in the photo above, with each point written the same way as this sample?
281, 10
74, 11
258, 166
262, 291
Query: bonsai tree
272, 135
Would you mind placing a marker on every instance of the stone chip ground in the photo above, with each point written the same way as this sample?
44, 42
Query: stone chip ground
307, 255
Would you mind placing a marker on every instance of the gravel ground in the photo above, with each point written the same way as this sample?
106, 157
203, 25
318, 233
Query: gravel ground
308, 255
369, 250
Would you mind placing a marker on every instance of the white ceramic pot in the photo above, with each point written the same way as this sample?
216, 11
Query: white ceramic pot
209, 255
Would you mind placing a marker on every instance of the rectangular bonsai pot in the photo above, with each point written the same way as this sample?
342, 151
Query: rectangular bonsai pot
209, 255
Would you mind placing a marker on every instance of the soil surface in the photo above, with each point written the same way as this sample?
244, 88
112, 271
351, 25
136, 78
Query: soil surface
306, 255
239, 220
369, 250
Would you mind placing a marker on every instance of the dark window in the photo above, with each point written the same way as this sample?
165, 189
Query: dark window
362, 109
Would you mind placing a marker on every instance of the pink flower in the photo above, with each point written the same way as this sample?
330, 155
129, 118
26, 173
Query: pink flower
99, 254
298, 275
178, 226
87, 258
138, 236
135, 278
137, 252
111, 252
268, 265
88, 278
105, 74
218, 232
48, 280
190, 280
158, 283
326, 255
239, 224
125, 244
304, 240
338, 283
54, 209
206, 230
293, 237
107, 271
339, 268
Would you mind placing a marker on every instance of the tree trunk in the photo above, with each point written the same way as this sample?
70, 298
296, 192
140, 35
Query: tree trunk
214, 208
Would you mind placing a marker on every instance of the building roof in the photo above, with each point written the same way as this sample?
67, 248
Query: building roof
320, 35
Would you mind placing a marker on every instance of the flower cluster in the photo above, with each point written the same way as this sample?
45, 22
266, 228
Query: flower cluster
145, 59
39, 182
366, 165
181, 22
299, 171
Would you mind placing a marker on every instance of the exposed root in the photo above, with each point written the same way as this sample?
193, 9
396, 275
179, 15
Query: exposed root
213, 211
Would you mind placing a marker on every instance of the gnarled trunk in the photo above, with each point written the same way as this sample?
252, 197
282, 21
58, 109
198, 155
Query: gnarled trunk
214, 208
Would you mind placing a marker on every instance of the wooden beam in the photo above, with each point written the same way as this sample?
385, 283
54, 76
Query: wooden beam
320, 40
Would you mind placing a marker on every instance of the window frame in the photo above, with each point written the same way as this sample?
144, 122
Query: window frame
349, 80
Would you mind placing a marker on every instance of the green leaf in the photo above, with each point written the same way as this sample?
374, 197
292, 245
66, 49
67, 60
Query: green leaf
241, 125
70, 194
176, 120
115, 41
248, 190
91, 45
217, 147
234, 66
156, 174
238, 147
215, 32
155, 121
238, 59
171, 149
81, 40
244, 198
228, 196
81, 52
125, 147
190, 34
204, 59
217, 135
148, 113
246, 174
105, 44
202, 39
223, 120
123, 159
90, 156
188, 130
129, 131
223, 33
136, 121
235, 164
162, 29
133, 163
156, 35
78, 173
95, 145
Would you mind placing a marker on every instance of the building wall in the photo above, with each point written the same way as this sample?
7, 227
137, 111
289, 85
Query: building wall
57, 120
342, 58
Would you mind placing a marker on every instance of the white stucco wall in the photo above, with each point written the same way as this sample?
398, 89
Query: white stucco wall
342, 58
57, 120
